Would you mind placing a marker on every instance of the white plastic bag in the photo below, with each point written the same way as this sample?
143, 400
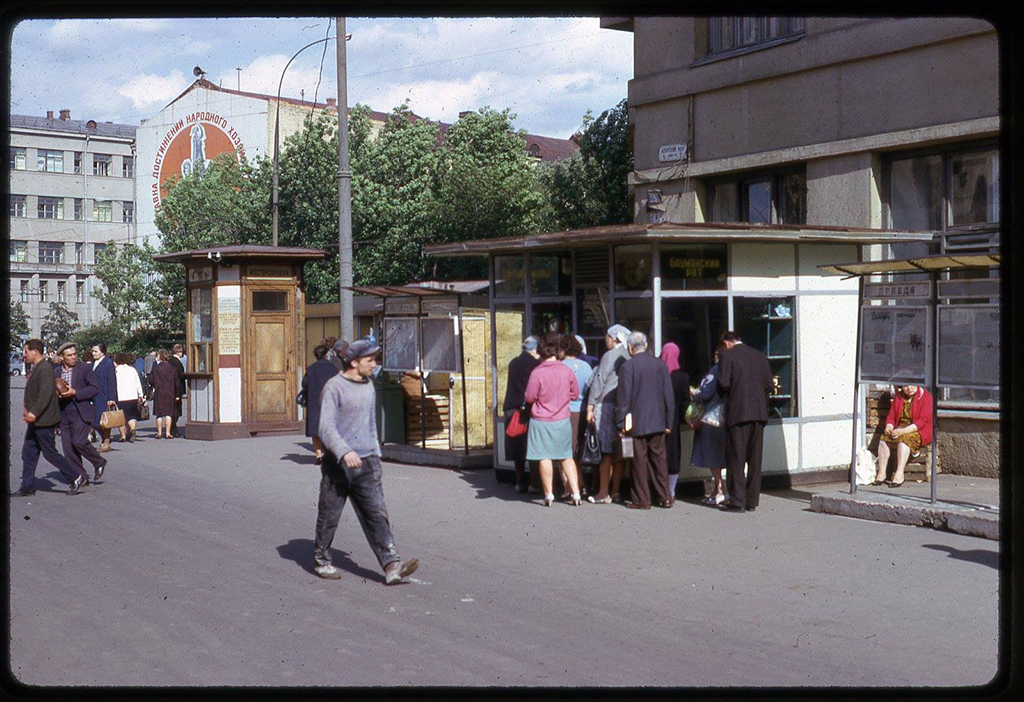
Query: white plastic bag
865, 467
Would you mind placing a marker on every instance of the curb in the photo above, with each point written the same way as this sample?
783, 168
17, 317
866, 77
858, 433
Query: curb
898, 510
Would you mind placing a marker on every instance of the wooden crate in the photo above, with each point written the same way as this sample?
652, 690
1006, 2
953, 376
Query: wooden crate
878, 401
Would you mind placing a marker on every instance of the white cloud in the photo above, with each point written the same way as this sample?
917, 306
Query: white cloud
145, 90
263, 73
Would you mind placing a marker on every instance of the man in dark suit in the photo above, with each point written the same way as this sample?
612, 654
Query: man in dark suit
519, 369
77, 411
179, 386
745, 378
103, 369
645, 393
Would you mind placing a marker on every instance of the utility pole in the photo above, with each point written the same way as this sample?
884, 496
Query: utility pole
344, 194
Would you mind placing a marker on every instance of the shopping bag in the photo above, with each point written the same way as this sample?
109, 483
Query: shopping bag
693, 412
517, 425
715, 417
143, 409
112, 418
591, 454
865, 467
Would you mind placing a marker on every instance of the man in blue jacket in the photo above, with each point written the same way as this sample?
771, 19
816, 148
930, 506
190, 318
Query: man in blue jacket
106, 378
77, 411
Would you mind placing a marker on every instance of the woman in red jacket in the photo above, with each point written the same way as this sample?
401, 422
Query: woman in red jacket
908, 427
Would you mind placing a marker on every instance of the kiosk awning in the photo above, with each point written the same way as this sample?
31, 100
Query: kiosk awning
697, 232
244, 251
913, 265
427, 288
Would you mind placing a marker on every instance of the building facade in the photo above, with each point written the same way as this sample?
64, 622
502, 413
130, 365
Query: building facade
72, 185
842, 122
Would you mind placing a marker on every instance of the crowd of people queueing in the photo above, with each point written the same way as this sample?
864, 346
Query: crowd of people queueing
67, 394
579, 410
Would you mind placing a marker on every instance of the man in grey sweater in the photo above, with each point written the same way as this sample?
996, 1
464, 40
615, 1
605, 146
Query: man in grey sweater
351, 466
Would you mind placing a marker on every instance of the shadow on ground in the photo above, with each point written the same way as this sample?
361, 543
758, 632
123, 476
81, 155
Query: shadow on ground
974, 555
300, 552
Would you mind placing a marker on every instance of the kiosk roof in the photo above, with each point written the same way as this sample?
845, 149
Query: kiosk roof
244, 251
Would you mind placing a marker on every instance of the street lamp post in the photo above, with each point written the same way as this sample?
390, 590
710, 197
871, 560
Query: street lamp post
277, 128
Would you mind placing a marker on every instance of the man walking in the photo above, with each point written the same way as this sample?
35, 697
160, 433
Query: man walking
745, 378
103, 369
42, 414
77, 411
351, 466
645, 393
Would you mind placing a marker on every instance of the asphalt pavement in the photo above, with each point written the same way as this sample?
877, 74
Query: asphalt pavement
191, 564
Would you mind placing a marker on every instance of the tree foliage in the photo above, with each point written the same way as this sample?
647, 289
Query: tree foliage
126, 294
17, 322
59, 325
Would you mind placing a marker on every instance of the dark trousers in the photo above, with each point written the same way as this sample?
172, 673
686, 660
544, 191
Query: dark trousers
743, 445
650, 468
174, 417
363, 485
42, 440
74, 438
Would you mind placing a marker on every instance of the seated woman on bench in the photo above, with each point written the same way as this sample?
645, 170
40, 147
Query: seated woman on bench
908, 427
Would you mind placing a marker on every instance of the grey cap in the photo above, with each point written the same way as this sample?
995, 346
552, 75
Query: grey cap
530, 343
65, 345
340, 347
359, 349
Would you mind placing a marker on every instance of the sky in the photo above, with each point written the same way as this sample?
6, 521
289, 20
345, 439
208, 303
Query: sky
548, 71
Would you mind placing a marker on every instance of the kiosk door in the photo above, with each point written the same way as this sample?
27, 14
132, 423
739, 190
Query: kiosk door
272, 363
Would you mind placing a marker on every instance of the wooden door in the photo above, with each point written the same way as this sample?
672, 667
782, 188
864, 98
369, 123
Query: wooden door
271, 364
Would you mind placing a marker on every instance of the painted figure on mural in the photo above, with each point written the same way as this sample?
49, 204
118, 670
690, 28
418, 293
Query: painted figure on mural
197, 163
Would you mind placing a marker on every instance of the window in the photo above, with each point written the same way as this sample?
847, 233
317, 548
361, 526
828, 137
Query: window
128, 166
51, 252
201, 318
102, 211
19, 251
97, 249
79, 253
550, 275
128, 212
269, 301
80, 292
974, 188
693, 267
50, 161
23, 296
509, 276
78, 209
732, 34
78, 162
767, 325
61, 294
50, 208
632, 268
773, 198
101, 164
17, 205
18, 158
43, 292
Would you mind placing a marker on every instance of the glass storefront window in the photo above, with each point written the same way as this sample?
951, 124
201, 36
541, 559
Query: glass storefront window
637, 314
632, 268
974, 187
551, 317
695, 324
767, 324
509, 276
550, 275
693, 267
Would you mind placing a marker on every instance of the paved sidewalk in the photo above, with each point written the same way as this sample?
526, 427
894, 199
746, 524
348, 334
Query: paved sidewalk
964, 505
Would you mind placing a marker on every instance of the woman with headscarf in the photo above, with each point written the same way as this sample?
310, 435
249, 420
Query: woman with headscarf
681, 392
519, 369
601, 412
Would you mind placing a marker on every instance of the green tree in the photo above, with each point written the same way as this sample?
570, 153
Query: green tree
126, 293
17, 322
107, 332
590, 189
59, 325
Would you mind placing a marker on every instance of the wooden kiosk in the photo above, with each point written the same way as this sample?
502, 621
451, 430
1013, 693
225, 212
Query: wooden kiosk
244, 334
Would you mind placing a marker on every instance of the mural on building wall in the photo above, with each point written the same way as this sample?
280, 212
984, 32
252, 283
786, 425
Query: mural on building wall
189, 146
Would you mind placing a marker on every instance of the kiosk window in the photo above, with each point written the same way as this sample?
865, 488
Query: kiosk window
269, 301
632, 268
693, 267
767, 325
202, 330
509, 276
551, 275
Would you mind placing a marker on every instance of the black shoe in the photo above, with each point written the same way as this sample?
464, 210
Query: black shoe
98, 471
728, 507
23, 492
751, 509
77, 485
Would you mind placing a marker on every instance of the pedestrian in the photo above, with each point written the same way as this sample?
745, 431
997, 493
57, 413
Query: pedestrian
584, 356
519, 369
332, 355
709, 441
549, 390
351, 465
601, 413
42, 415
164, 379
179, 353
680, 379
140, 368
149, 361
645, 396
129, 393
77, 411
571, 350
317, 375
179, 388
745, 378
103, 368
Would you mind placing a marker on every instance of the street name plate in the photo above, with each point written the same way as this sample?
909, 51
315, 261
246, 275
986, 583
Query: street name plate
672, 152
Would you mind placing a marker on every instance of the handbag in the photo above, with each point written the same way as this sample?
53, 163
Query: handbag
112, 418
591, 454
300, 399
517, 425
623, 447
715, 417
143, 409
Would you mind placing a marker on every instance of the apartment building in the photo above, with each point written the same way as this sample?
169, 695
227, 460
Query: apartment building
72, 185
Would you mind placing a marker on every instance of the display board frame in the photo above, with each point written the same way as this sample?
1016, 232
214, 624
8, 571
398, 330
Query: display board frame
866, 369
946, 349
408, 348
440, 360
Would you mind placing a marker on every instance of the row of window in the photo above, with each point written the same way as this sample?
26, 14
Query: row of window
53, 208
43, 291
52, 161
726, 34
51, 252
